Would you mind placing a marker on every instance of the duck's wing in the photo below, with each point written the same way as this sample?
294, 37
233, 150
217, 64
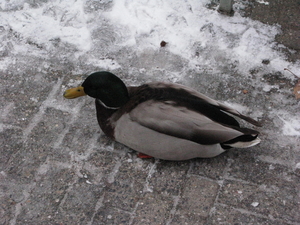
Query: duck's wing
201, 102
167, 117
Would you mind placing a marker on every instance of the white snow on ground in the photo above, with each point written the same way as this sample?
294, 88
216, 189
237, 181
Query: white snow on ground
83, 31
64, 20
263, 2
188, 24
291, 125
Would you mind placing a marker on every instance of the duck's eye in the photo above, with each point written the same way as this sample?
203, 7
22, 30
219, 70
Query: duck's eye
78, 90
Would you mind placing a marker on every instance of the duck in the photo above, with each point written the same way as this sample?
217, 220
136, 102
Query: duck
167, 121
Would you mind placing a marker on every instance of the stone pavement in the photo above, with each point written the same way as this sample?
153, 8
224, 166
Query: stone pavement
57, 167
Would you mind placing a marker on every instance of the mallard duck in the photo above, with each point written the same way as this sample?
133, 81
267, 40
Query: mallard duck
164, 120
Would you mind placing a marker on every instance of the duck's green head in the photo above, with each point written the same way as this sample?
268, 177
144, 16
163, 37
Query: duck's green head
105, 86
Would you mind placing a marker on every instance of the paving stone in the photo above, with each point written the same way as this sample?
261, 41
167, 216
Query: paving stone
81, 133
196, 200
248, 168
6, 210
21, 167
223, 214
212, 168
79, 203
60, 154
270, 201
51, 124
27, 96
111, 216
45, 195
191, 219
148, 211
127, 187
11, 142
35, 150
10, 195
100, 166
169, 177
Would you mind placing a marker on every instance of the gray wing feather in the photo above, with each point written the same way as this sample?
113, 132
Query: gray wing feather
211, 101
165, 117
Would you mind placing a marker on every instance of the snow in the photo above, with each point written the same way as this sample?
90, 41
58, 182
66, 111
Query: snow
241, 108
267, 88
255, 204
291, 125
42, 27
262, 2
124, 35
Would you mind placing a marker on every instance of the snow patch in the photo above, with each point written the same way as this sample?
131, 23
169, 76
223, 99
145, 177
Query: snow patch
44, 27
262, 2
255, 204
291, 126
238, 107
106, 64
268, 88
189, 25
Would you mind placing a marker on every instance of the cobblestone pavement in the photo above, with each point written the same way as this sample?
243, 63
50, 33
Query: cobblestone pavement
57, 167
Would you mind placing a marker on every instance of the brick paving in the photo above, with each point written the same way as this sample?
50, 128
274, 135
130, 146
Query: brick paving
57, 167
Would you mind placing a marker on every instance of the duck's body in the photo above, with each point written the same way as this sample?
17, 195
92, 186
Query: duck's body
168, 121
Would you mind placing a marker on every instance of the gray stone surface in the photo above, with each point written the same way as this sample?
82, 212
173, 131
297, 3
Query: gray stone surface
57, 167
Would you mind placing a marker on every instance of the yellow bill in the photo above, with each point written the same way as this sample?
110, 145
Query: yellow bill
74, 92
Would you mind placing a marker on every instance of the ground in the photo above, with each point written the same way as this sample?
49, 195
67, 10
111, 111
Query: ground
57, 167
